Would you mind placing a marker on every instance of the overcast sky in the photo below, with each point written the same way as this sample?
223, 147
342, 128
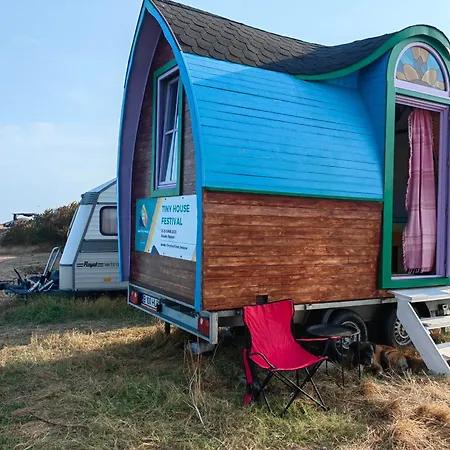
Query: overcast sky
63, 65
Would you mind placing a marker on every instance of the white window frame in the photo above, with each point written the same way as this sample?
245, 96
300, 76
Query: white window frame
162, 133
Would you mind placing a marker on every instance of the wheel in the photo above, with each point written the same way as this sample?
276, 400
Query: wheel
352, 320
393, 331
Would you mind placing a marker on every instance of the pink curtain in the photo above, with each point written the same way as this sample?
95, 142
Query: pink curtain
419, 236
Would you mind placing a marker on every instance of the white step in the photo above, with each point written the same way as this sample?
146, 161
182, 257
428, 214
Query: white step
432, 323
423, 294
444, 349
434, 356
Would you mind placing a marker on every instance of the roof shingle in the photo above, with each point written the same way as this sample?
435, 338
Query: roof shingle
206, 34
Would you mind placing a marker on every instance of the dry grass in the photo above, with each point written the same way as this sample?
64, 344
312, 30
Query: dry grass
100, 375
77, 382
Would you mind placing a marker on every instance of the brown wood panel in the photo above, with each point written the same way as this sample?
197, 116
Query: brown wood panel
279, 236
229, 198
300, 221
311, 250
170, 276
238, 273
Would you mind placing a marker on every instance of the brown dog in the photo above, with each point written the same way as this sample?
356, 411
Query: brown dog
383, 358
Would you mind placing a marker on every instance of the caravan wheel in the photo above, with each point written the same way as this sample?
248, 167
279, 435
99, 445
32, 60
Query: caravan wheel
352, 320
394, 332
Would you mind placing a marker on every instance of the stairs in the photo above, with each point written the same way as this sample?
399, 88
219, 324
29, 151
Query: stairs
434, 355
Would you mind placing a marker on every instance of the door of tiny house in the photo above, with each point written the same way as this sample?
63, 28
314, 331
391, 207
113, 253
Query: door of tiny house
415, 230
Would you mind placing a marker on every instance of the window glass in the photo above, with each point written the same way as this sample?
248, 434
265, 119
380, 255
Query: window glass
417, 65
108, 221
167, 131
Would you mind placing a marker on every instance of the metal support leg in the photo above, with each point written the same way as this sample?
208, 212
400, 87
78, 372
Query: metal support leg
357, 356
167, 328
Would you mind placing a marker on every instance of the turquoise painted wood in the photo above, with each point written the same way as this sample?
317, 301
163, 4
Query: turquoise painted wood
372, 86
270, 132
349, 81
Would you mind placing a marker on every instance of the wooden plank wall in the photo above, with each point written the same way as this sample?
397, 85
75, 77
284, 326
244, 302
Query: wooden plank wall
311, 250
169, 276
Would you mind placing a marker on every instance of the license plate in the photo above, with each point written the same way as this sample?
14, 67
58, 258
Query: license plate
151, 302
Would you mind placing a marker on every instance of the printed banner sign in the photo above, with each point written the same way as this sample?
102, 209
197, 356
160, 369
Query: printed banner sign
167, 226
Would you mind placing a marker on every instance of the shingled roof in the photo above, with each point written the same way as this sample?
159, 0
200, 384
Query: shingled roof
206, 34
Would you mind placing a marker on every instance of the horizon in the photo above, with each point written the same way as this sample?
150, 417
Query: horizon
64, 84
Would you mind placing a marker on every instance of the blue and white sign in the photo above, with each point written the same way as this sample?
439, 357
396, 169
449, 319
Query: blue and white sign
167, 226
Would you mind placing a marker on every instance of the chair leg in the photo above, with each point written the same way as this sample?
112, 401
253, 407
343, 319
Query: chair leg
309, 379
317, 392
357, 356
299, 388
291, 400
261, 388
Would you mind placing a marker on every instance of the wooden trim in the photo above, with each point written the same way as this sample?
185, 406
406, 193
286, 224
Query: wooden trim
422, 96
291, 194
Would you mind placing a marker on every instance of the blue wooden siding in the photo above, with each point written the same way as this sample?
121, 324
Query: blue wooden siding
270, 132
348, 81
372, 86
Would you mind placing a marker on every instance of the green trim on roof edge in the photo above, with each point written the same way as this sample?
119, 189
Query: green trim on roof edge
410, 32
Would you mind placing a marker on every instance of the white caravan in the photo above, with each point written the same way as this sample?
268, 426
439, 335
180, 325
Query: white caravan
90, 260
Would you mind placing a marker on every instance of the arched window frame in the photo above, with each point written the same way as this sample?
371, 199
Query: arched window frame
417, 87
396, 90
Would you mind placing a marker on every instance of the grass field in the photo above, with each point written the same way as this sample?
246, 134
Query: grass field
100, 375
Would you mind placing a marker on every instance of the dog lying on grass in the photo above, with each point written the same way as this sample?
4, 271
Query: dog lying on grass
383, 358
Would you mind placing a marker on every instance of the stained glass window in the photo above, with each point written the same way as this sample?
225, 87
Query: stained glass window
417, 65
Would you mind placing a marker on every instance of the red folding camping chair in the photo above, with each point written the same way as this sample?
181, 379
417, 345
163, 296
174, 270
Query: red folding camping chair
274, 348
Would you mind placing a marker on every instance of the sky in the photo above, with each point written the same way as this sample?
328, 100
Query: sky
63, 65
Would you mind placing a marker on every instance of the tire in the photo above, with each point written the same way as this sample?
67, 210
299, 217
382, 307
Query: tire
352, 320
393, 332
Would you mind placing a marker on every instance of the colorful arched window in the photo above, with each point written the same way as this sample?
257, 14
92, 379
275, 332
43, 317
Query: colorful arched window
419, 69
416, 219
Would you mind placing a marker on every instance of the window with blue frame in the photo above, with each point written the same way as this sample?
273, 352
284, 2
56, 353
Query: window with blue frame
167, 132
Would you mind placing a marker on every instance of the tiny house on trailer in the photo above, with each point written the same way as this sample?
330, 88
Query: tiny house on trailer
90, 260
255, 167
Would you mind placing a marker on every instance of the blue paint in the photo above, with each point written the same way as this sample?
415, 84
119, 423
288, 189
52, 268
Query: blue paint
119, 156
143, 221
372, 86
259, 130
348, 81
270, 132
187, 84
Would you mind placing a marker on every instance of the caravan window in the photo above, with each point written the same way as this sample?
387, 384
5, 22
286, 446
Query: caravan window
108, 221
167, 132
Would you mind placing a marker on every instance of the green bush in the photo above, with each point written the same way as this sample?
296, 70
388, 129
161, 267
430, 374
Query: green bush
48, 228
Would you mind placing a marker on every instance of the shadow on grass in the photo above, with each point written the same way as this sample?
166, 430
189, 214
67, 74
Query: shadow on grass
20, 320
139, 389
48, 309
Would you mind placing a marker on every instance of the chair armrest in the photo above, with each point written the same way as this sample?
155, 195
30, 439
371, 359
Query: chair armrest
318, 339
263, 357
